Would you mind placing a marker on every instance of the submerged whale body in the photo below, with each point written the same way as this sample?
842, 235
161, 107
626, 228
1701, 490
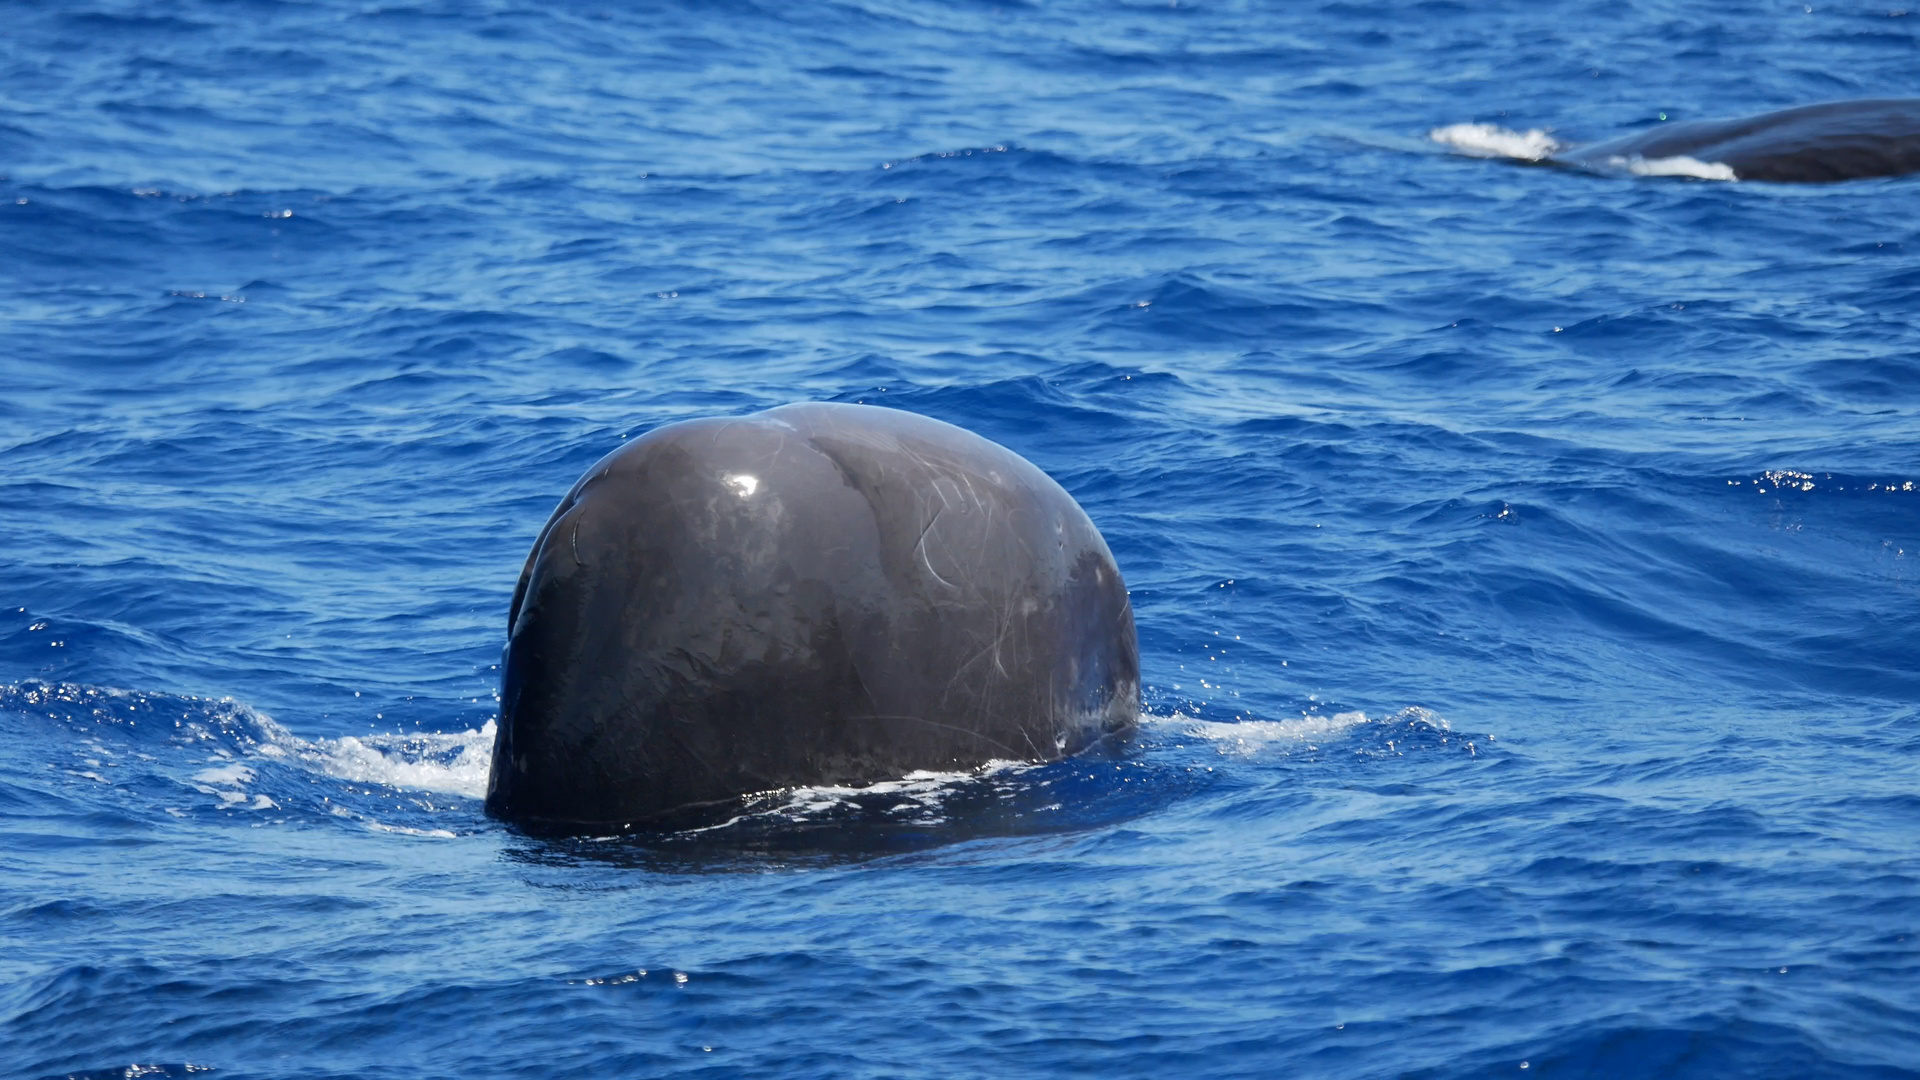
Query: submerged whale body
816, 594
1840, 140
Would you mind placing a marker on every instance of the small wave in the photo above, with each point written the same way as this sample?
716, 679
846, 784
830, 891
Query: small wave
237, 734
1675, 166
1395, 733
1490, 141
453, 763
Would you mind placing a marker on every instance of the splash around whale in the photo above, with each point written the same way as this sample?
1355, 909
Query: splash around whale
816, 594
1827, 143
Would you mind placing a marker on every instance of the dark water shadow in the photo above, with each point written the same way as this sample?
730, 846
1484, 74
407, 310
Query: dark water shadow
830, 826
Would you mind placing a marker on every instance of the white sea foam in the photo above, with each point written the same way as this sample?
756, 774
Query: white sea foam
1252, 736
919, 793
455, 764
228, 784
228, 775
452, 763
917, 798
1489, 141
1675, 166
402, 830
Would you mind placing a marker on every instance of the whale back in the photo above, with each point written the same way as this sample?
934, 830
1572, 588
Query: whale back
1842, 140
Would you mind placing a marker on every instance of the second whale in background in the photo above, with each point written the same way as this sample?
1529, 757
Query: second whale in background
1812, 144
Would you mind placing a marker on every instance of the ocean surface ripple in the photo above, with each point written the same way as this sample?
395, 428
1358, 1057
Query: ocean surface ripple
1526, 563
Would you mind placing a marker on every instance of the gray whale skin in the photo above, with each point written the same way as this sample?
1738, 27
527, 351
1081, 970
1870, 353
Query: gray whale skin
815, 594
1840, 140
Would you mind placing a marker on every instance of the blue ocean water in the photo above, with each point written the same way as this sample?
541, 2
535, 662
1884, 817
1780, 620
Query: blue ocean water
1525, 562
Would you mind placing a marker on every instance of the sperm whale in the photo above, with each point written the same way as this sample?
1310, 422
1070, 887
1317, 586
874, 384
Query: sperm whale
819, 593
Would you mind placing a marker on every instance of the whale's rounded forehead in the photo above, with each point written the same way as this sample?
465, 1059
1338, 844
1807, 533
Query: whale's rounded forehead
833, 426
818, 593
843, 418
